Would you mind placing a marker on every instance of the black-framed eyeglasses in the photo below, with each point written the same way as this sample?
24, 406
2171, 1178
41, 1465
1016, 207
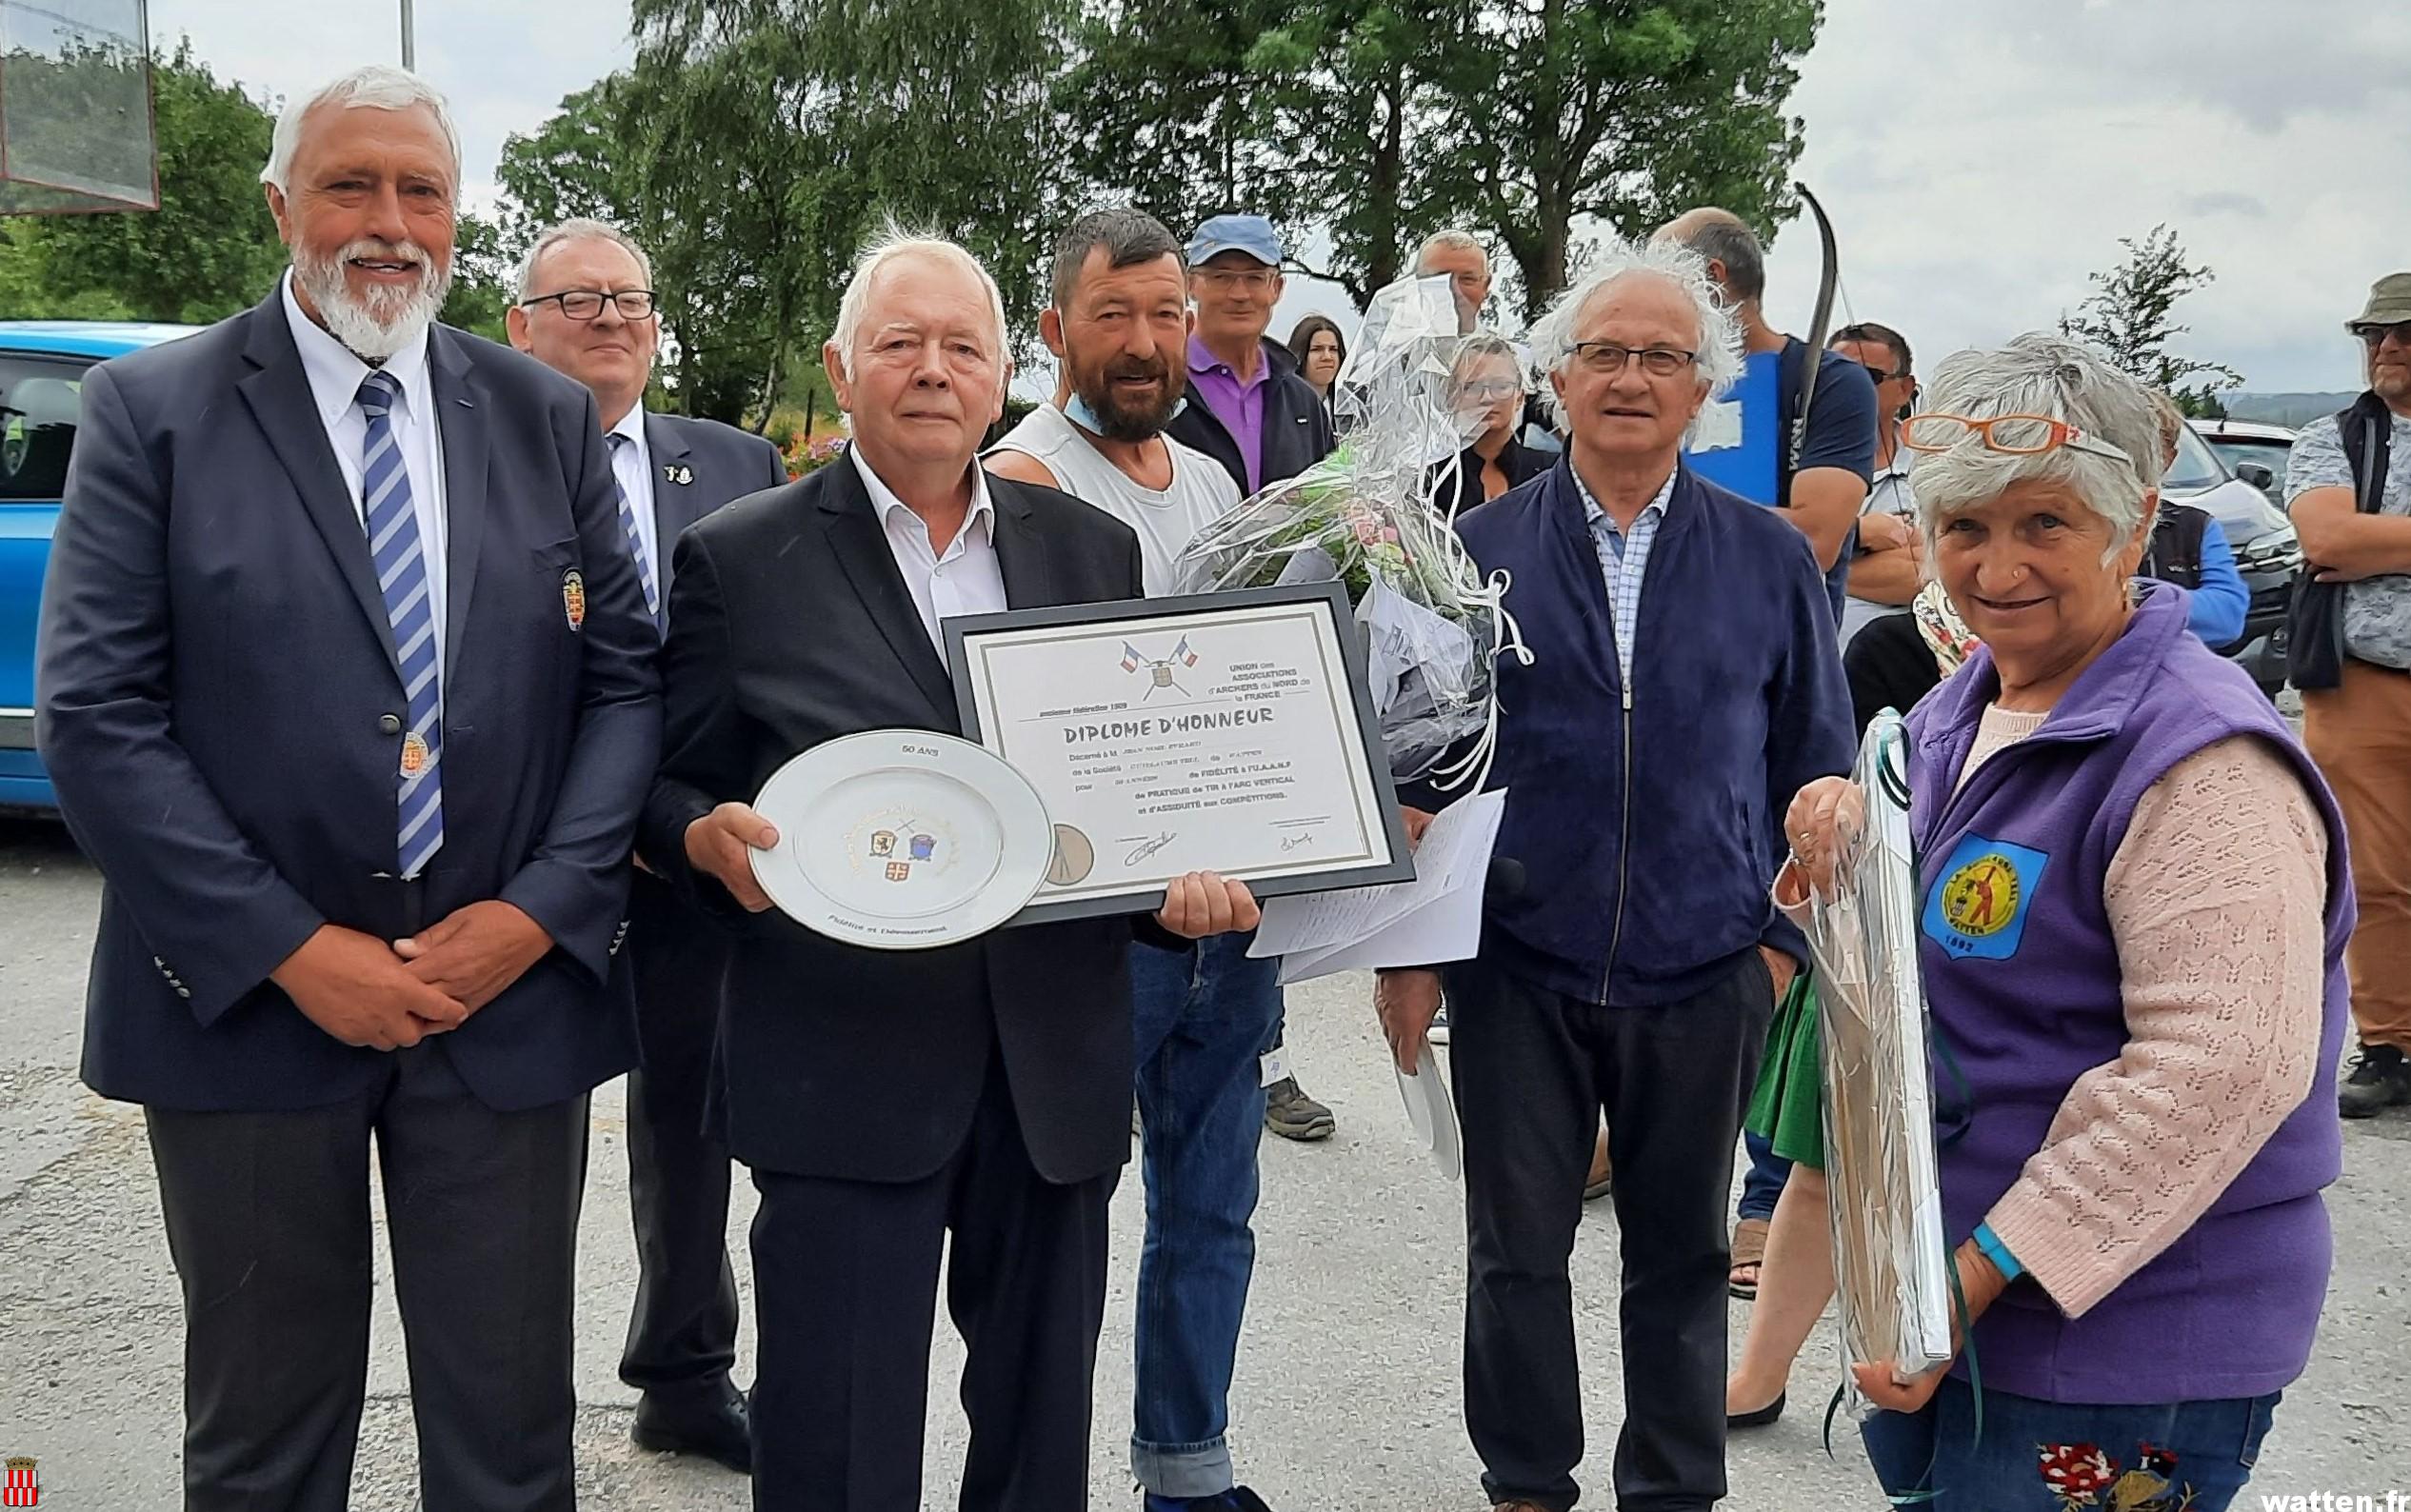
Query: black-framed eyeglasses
584, 303
1607, 358
1881, 374
2373, 333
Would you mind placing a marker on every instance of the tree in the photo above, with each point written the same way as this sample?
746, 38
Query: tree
209, 250
582, 162
2130, 316
1629, 112
1379, 120
1170, 105
482, 277
852, 112
1357, 87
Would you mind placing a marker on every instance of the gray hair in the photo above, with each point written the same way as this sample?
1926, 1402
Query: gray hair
378, 87
891, 244
580, 228
1721, 236
2041, 374
1462, 241
1719, 360
1128, 236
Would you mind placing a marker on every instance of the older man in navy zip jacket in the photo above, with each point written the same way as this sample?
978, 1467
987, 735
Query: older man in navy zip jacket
1684, 685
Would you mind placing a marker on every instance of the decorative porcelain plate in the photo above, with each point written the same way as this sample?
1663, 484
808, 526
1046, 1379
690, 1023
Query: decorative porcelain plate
901, 839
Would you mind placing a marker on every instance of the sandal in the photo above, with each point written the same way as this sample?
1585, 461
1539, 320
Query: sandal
1749, 1253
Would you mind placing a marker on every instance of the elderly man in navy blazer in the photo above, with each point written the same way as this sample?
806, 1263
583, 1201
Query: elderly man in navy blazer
586, 308
346, 683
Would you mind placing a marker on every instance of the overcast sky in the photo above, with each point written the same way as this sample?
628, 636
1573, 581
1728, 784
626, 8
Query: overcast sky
1978, 156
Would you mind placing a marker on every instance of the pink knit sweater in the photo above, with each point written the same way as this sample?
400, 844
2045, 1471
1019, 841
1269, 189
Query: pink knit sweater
2214, 899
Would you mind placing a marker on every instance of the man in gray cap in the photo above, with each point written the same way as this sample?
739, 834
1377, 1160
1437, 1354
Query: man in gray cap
1250, 409
2348, 483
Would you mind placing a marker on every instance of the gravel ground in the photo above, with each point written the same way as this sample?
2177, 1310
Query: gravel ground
1347, 1397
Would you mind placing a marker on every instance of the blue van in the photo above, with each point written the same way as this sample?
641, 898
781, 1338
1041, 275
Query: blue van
42, 365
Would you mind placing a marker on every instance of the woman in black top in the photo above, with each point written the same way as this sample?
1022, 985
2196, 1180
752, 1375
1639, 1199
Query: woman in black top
1321, 351
1486, 389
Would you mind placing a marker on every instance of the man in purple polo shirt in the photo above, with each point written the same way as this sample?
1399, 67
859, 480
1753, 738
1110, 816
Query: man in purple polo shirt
1252, 411
1248, 407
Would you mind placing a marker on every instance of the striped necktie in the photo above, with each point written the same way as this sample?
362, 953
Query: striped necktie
635, 537
401, 563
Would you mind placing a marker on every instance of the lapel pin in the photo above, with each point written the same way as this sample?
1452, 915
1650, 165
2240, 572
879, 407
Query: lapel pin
678, 472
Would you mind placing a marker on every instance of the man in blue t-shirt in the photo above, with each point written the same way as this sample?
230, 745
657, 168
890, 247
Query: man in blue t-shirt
1747, 444
1821, 476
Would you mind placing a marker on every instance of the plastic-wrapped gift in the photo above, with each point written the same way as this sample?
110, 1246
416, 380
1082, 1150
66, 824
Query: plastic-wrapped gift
1367, 517
1891, 1263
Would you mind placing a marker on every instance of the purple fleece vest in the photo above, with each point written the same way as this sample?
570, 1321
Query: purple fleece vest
2022, 977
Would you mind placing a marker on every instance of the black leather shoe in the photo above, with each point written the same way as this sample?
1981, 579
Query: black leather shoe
1760, 1419
715, 1427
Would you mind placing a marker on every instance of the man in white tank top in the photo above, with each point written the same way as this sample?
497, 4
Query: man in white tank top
1204, 1017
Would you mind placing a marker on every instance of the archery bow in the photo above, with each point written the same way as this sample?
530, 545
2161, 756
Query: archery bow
1819, 323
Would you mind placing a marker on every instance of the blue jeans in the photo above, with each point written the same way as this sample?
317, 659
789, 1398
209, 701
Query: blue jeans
1204, 1017
1763, 1182
2203, 1449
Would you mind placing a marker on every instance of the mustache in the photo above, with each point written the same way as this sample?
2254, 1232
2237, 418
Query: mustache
377, 250
1138, 367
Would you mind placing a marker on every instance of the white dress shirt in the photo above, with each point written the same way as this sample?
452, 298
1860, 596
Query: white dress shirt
966, 579
335, 376
632, 465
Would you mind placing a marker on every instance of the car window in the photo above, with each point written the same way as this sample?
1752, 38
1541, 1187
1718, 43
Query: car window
2269, 454
39, 401
2196, 466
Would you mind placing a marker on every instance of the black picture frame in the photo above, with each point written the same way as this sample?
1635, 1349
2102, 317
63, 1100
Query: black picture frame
961, 630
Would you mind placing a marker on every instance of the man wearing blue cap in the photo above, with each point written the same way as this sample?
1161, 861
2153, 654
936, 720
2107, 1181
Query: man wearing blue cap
1252, 411
1248, 409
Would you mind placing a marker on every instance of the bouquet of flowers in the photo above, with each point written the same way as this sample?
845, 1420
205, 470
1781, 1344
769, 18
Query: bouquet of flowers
1366, 518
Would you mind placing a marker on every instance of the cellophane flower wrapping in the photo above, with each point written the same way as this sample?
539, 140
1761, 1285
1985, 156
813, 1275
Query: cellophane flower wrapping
1367, 517
1890, 1261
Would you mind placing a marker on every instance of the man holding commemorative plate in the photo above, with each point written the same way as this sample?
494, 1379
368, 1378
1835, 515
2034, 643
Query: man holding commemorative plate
894, 1067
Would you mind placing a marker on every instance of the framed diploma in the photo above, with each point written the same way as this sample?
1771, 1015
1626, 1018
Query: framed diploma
1229, 733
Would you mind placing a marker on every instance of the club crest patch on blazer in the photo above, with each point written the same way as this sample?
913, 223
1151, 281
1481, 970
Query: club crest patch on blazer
573, 598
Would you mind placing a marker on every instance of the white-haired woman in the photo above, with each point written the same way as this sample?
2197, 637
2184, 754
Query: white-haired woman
2131, 937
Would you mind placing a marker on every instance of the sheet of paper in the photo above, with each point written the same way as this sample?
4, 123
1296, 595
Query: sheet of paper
1435, 918
1432, 1114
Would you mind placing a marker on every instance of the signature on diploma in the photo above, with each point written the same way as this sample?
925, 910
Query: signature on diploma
1293, 842
1147, 847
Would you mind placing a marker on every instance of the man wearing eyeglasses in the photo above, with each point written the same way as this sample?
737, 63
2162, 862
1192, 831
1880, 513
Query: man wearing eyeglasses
2349, 479
1252, 411
1690, 682
586, 308
1887, 562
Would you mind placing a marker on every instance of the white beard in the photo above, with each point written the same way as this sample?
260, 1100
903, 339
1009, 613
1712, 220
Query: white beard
388, 319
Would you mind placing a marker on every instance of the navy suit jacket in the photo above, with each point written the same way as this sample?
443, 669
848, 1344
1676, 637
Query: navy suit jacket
699, 466
217, 700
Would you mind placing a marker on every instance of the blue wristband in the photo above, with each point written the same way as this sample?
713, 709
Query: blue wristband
1993, 1249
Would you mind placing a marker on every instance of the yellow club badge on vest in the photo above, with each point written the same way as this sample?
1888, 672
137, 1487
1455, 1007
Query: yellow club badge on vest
1980, 903
573, 598
414, 754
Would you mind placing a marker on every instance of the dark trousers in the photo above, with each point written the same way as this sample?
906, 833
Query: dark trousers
267, 1221
682, 1337
845, 1281
1534, 1071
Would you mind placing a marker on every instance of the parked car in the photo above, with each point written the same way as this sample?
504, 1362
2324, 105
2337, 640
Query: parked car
2253, 450
41, 367
2267, 552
